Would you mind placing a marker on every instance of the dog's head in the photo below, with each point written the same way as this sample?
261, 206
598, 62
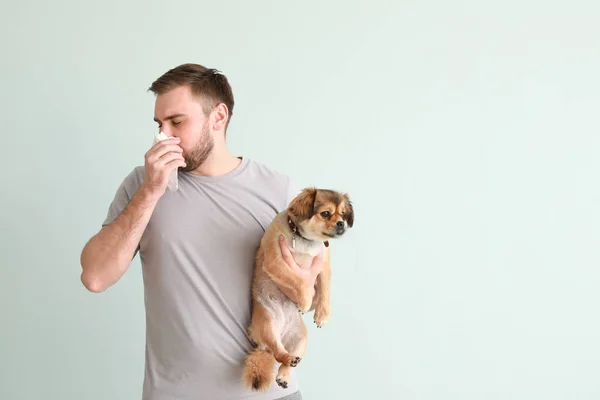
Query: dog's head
321, 214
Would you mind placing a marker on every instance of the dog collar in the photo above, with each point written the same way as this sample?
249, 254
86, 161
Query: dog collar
295, 232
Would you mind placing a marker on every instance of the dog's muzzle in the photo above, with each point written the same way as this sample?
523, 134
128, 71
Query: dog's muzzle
340, 228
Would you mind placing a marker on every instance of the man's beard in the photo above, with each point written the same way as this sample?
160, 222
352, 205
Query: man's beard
198, 155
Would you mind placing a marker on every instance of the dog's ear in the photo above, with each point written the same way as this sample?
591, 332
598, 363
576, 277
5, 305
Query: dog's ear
349, 211
303, 205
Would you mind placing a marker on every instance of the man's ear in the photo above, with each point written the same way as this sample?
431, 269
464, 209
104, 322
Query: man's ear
303, 206
219, 117
349, 212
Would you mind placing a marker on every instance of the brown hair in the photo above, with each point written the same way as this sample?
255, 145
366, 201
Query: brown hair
207, 83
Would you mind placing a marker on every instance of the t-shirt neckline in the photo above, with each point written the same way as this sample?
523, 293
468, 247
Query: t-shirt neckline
229, 175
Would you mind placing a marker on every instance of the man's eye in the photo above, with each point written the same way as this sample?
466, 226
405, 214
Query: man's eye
176, 122
325, 214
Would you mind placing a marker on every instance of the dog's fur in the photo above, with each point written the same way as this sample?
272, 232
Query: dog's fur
277, 329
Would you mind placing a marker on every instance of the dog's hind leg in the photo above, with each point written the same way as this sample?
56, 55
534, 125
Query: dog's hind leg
266, 331
295, 339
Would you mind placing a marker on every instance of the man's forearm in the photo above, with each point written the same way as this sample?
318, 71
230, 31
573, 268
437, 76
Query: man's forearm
108, 254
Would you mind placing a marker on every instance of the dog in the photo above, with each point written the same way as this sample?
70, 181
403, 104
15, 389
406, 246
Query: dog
277, 329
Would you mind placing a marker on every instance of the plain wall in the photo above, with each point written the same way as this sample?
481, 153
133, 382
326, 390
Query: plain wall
466, 132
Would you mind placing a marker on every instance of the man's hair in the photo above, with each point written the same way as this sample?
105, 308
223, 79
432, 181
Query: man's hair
209, 84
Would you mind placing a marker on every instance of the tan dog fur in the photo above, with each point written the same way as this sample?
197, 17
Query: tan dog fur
280, 297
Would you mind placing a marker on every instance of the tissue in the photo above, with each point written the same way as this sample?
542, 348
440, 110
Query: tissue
173, 183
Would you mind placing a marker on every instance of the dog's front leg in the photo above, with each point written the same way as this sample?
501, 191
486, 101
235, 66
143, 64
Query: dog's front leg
321, 306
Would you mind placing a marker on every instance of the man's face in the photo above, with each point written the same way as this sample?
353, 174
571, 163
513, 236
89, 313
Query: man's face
180, 114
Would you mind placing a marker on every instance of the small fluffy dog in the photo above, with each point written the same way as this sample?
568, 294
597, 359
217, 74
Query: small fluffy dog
277, 329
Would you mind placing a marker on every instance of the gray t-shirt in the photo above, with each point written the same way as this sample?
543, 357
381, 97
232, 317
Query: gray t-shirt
197, 256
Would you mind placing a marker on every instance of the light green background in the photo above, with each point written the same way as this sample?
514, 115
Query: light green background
467, 133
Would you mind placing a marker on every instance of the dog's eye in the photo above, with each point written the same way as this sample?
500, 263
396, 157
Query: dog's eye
325, 214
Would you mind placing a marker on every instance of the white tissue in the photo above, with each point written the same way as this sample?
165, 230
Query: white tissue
173, 183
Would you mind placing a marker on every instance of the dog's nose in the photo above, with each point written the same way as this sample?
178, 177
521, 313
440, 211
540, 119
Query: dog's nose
340, 224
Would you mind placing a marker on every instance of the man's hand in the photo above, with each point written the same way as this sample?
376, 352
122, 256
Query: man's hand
303, 298
307, 273
162, 158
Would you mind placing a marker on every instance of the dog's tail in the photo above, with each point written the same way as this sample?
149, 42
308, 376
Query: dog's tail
259, 370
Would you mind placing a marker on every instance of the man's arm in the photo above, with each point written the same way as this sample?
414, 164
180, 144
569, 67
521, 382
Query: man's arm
108, 254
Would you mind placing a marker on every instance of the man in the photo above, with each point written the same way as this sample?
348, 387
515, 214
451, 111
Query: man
196, 244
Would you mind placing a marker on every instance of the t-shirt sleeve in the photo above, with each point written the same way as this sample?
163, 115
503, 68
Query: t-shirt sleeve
124, 194
293, 190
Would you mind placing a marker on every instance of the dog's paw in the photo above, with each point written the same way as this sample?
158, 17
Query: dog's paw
282, 381
295, 361
305, 300
304, 307
321, 315
288, 359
